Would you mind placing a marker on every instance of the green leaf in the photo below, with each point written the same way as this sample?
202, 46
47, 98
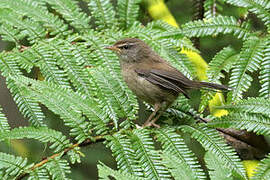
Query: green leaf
103, 12
223, 60
58, 168
127, 11
8, 33
214, 26
12, 165
263, 170
121, 147
77, 74
250, 122
217, 168
183, 111
181, 162
265, 71
250, 105
38, 174
43, 134
33, 30
251, 56
258, 7
24, 59
37, 12
106, 173
45, 60
27, 106
69, 104
148, 158
71, 12
4, 126
214, 143
114, 99
212, 8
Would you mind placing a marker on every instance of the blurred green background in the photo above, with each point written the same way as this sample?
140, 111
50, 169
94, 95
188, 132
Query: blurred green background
182, 10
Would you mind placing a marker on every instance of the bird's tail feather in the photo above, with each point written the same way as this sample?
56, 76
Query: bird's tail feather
211, 86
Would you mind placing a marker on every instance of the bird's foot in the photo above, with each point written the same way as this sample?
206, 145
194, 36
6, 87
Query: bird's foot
138, 126
149, 124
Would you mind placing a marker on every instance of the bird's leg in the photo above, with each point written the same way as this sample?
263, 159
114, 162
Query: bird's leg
157, 106
151, 122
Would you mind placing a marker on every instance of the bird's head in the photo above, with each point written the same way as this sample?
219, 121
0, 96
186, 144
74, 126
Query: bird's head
131, 50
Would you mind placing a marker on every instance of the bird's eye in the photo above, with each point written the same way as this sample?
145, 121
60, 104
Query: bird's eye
125, 47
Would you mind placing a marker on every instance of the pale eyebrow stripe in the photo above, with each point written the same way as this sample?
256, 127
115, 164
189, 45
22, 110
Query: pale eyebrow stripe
121, 45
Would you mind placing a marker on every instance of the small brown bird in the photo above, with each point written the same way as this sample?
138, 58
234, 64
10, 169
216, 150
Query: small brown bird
153, 79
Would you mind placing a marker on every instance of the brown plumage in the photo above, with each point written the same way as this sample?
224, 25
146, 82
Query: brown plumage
152, 78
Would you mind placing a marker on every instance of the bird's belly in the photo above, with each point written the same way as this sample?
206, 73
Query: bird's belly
145, 90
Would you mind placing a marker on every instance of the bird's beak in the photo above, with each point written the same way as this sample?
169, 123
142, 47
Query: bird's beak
113, 48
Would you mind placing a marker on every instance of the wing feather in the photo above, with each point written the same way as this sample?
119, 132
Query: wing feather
161, 79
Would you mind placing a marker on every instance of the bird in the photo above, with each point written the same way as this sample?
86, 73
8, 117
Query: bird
153, 79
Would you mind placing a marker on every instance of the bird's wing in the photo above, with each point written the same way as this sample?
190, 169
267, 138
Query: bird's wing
175, 76
163, 79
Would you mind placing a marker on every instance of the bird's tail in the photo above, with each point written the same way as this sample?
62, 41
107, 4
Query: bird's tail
210, 86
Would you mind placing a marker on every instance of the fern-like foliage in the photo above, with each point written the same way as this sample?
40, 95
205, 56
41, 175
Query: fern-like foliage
128, 12
265, 72
263, 170
53, 97
27, 106
255, 123
39, 174
176, 152
102, 11
251, 56
175, 167
32, 30
214, 26
43, 134
222, 61
60, 54
107, 173
250, 105
148, 157
8, 33
58, 168
121, 147
115, 99
4, 126
212, 8
71, 12
217, 169
251, 114
212, 141
45, 60
12, 166
258, 7
37, 12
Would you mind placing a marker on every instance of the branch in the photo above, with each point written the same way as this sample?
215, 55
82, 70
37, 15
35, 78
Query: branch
87, 142
247, 144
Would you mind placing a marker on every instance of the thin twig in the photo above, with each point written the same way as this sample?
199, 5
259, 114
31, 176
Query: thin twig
87, 142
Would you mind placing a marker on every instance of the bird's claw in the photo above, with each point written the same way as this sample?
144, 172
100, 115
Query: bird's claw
138, 126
